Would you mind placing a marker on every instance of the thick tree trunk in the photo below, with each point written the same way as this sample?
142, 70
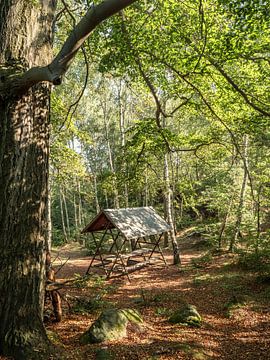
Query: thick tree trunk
25, 33
23, 221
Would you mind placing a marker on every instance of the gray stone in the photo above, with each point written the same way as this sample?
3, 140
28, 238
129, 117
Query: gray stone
111, 325
186, 315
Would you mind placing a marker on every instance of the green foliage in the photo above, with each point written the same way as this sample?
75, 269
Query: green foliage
58, 238
236, 302
207, 65
257, 261
186, 315
88, 306
82, 282
148, 298
163, 311
97, 300
202, 261
202, 280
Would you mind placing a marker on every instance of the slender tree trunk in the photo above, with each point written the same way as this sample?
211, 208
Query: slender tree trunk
96, 194
146, 188
258, 217
94, 170
123, 139
168, 207
80, 208
166, 235
116, 195
49, 217
224, 223
240, 209
66, 216
75, 211
62, 215
106, 199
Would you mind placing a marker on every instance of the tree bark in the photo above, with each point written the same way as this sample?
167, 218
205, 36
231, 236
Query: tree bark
80, 206
66, 212
110, 155
23, 202
49, 219
122, 125
169, 215
62, 215
25, 33
240, 209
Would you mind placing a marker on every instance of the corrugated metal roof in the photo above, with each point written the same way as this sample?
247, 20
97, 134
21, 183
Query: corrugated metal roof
131, 222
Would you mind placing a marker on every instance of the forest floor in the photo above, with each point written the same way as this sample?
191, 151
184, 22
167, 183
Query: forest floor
233, 303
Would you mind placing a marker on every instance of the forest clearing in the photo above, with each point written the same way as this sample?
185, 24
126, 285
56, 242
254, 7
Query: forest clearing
233, 303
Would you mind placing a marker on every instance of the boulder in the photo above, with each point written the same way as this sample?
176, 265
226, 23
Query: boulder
186, 315
111, 325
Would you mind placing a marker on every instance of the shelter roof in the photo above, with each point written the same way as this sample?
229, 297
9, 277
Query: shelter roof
131, 222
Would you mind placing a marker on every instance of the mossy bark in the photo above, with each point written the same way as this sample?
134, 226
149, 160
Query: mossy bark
25, 41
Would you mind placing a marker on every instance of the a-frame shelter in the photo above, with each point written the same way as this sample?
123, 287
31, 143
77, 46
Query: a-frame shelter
134, 235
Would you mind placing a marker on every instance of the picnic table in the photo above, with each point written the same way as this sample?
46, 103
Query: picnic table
134, 237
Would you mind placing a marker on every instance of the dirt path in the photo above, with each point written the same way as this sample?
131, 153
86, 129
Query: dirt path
157, 292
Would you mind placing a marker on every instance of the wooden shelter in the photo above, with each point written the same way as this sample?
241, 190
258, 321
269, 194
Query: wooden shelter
133, 235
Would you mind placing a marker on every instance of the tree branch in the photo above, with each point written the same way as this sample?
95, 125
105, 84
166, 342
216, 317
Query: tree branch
238, 89
21, 81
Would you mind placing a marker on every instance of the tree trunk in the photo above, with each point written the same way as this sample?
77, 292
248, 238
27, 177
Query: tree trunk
169, 215
49, 217
62, 215
146, 188
75, 211
240, 209
110, 156
258, 217
122, 111
23, 192
25, 33
66, 213
224, 223
96, 193
80, 207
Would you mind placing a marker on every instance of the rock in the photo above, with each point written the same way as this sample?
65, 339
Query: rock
111, 325
186, 315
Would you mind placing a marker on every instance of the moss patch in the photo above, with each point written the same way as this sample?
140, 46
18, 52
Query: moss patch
111, 325
186, 315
